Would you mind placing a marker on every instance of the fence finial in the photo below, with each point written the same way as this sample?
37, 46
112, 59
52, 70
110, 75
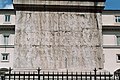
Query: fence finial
95, 70
39, 69
10, 69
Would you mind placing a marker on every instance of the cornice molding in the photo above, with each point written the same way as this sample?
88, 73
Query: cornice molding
111, 46
6, 46
60, 5
7, 27
58, 8
110, 27
66, 0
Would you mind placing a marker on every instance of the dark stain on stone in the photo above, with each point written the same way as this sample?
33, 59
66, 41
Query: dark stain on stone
82, 15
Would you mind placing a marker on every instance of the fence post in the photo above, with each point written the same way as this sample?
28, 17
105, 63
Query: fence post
2, 76
67, 74
39, 73
48, 75
10, 72
76, 76
95, 71
53, 76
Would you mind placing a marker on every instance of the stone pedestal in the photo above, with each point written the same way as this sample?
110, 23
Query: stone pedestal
58, 35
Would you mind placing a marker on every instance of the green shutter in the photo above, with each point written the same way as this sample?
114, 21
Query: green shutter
118, 40
7, 18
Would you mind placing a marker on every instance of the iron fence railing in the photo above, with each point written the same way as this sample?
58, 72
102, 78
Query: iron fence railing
38, 75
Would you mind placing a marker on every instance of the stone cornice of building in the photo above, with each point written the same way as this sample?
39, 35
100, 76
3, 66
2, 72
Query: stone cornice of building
60, 6
60, 0
7, 27
108, 12
54, 8
4, 11
111, 27
6, 46
111, 46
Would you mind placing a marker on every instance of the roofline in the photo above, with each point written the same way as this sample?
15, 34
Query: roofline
7, 10
111, 10
58, 8
108, 12
82, 0
110, 27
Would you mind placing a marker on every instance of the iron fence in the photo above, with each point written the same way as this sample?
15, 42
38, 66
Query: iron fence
38, 75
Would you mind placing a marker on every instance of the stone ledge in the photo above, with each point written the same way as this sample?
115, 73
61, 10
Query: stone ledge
58, 8
111, 46
6, 46
66, 3
55, 5
36, 1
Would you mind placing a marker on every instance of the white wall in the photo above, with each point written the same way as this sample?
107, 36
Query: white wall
10, 39
108, 19
10, 50
110, 54
109, 40
9, 63
2, 20
111, 63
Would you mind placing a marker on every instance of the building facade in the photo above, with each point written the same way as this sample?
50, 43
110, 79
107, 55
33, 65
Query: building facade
111, 39
7, 33
58, 35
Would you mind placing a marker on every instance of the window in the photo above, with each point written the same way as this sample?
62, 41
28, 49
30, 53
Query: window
6, 38
118, 57
7, 18
5, 56
117, 18
118, 40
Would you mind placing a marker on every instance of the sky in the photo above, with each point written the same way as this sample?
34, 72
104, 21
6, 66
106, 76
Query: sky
6, 4
110, 4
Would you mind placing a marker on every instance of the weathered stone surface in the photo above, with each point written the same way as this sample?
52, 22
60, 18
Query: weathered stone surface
61, 2
58, 40
58, 35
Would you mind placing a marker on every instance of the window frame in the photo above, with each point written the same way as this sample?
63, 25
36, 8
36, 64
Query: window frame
6, 39
5, 60
118, 39
7, 18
